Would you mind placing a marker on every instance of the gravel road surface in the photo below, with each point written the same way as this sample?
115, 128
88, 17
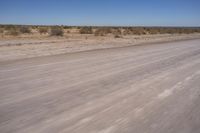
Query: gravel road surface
138, 89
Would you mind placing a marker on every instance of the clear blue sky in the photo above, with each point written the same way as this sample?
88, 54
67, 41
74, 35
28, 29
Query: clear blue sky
101, 12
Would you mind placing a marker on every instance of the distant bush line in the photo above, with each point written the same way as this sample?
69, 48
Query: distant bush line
117, 32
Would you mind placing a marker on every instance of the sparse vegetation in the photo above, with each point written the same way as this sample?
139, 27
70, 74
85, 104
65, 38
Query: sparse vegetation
135, 31
1, 31
56, 31
9, 27
43, 30
103, 31
97, 31
86, 30
154, 31
67, 27
24, 30
118, 36
13, 32
117, 32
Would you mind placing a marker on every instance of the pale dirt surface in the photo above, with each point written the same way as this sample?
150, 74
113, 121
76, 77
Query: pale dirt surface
138, 89
19, 48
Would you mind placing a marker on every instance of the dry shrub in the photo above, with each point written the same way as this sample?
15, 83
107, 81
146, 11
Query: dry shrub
43, 30
171, 30
56, 31
138, 31
152, 30
127, 31
13, 32
1, 31
118, 36
9, 27
67, 27
86, 30
33, 27
102, 31
25, 30
134, 31
117, 32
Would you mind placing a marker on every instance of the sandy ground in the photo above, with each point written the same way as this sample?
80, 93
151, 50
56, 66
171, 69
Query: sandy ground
11, 49
137, 89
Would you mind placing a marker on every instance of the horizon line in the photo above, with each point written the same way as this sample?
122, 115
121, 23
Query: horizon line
172, 26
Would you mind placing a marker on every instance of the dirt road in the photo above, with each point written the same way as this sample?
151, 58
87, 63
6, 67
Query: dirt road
137, 89
14, 49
